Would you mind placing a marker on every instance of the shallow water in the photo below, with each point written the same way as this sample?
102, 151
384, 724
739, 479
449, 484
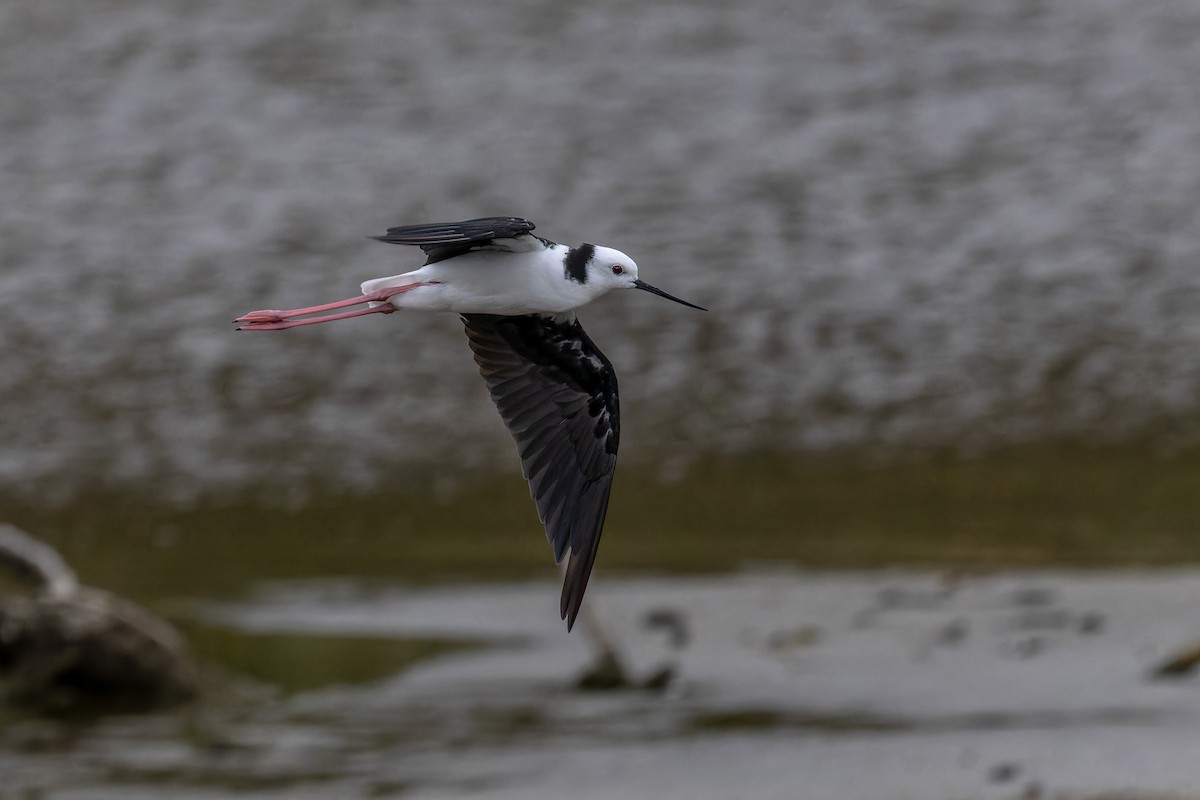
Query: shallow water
1092, 508
916, 225
946, 685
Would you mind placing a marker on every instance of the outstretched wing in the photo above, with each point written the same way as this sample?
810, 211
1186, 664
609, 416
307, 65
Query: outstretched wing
557, 394
447, 240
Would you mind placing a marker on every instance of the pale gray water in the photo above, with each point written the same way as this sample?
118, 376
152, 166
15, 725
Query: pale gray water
915, 224
870, 686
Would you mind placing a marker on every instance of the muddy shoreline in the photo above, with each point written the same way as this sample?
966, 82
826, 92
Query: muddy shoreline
1005, 685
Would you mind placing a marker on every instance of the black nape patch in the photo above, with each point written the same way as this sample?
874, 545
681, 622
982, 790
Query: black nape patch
576, 260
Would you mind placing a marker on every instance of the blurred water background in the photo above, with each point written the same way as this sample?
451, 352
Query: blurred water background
950, 252
916, 225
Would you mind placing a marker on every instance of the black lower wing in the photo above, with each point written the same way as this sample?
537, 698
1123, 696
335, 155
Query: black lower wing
557, 394
442, 240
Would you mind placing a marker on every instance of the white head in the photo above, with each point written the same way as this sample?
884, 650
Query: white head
604, 269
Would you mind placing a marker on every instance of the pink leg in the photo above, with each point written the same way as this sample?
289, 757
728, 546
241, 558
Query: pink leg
271, 320
284, 324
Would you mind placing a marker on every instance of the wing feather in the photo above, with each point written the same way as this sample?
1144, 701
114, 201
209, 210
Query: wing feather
442, 240
557, 394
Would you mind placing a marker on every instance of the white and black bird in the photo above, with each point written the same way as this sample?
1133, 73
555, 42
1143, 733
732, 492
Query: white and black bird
556, 392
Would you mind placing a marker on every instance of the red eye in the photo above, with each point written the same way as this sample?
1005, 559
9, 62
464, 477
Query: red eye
617, 269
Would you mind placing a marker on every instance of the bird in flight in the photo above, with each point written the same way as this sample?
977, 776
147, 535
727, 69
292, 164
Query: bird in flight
556, 392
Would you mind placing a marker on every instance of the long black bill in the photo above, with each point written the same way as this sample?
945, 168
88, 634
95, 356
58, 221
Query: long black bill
645, 287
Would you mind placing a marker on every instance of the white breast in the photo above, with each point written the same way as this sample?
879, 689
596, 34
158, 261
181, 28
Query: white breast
491, 282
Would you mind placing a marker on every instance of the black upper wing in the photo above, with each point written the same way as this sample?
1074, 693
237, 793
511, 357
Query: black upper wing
557, 394
449, 239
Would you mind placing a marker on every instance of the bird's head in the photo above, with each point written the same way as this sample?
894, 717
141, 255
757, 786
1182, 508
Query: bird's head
611, 269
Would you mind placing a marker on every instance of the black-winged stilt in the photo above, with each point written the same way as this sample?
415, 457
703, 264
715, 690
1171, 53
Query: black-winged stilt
556, 392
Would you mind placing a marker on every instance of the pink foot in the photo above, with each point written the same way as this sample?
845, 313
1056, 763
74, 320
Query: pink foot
270, 320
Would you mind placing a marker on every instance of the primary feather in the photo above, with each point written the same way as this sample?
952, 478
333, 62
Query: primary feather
557, 394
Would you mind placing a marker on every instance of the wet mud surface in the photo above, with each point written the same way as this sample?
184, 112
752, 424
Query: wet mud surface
879, 684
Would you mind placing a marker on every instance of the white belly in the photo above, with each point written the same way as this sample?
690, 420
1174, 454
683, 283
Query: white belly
489, 283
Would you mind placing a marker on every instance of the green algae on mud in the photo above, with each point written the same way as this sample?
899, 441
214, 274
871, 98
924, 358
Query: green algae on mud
296, 662
1034, 506
771, 719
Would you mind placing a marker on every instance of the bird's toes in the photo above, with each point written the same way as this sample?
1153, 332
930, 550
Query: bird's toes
266, 315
